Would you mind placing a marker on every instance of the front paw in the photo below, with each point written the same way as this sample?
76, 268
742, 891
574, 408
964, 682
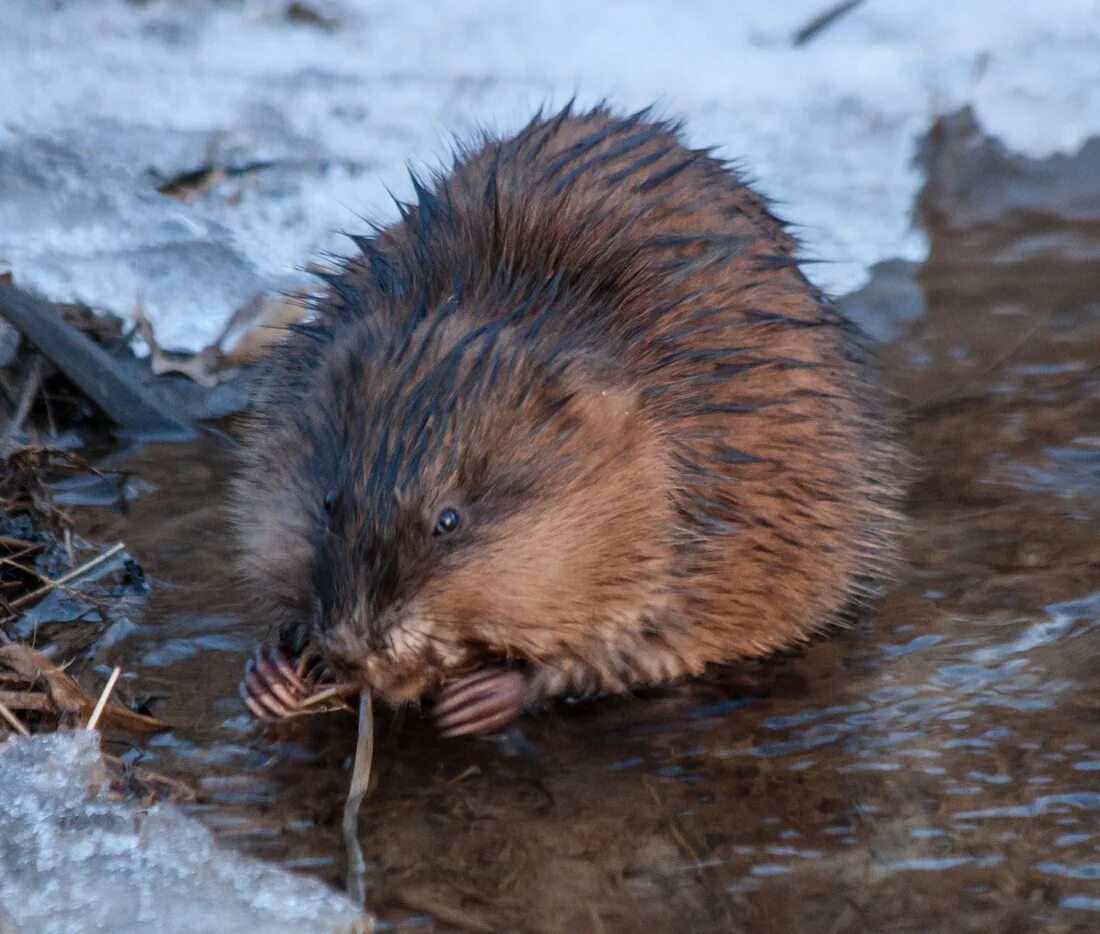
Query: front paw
485, 702
272, 687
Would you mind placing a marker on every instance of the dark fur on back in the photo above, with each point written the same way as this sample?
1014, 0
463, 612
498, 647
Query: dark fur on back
596, 343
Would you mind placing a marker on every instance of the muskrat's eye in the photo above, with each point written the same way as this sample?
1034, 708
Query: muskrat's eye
330, 498
447, 522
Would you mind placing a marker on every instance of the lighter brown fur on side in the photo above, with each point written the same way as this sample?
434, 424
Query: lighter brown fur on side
591, 348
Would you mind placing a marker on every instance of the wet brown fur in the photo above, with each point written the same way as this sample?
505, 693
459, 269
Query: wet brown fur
665, 445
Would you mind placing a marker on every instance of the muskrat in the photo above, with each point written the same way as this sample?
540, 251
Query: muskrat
575, 423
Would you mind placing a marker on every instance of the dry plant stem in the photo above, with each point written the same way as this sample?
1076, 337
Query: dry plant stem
12, 562
273, 690
823, 20
26, 399
8, 542
328, 693
13, 721
32, 701
12, 559
360, 779
66, 578
421, 902
93, 720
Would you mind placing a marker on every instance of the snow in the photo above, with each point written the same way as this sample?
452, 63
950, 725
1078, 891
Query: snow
72, 859
102, 100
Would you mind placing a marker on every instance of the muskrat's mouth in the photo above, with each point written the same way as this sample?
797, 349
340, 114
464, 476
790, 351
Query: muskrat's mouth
413, 677
398, 686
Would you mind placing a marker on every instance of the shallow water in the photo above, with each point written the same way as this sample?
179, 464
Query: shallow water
936, 767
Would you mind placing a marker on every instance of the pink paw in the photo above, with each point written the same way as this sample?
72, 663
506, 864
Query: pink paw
272, 688
485, 702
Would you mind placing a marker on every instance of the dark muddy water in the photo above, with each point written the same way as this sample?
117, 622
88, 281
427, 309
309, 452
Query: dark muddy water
935, 768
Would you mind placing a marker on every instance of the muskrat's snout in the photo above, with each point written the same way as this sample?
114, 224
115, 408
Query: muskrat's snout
346, 656
382, 657
468, 699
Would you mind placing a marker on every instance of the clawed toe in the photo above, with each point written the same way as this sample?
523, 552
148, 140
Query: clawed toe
271, 688
485, 702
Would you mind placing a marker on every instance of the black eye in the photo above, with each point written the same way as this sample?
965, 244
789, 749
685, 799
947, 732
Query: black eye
330, 498
447, 522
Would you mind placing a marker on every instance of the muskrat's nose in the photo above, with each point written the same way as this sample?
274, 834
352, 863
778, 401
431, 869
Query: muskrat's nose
373, 663
350, 652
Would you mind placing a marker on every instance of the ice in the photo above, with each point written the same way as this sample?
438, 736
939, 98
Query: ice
101, 102
73, 859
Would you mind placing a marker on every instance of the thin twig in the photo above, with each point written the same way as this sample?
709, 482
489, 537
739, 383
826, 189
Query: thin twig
336, 690
26, 398
11, 562
66, 578
93, 720
7, 391
451, 915
360, 779
34, 701
8, 542
823, 21
13, 720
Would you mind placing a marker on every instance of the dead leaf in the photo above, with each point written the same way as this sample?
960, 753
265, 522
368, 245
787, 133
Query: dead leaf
257, 326
27, 700
198, 367
66, 695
